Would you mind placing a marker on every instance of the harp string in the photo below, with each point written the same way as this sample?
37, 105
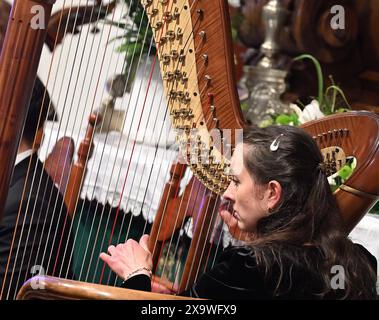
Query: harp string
50, 195
208, 231
164, 211
191, 69
219, 240
60, 153
81, 182
97, 202
82, 209
192, 192
19, 212
92, 254
124, 123
128, 167
229, 208
156, 147
164, 231
197, 245
197, 121
133, 147
128, 231
214, 210
65, 130
127, 172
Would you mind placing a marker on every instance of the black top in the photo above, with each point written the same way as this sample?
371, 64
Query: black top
42, 226
237, 276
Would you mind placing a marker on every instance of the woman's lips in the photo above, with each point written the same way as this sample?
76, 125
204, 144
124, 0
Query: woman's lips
226, 205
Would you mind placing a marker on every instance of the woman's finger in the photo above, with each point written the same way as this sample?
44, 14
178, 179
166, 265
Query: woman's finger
111, 250
144, 242
105, 257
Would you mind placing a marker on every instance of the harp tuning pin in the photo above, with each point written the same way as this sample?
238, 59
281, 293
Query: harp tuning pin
147, 3
170, 35
202, 35
180, 95
167, 16
182, 57
208, 79
158, 25
179, 33
162, 40
174, 54
168, 76
153, 12
166, 58
186, 99
178, 74
184, 78
174, 114
176, 13
172, 94
163, 2
187, 128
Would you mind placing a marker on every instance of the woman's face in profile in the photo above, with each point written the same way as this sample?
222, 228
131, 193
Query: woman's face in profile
248, 198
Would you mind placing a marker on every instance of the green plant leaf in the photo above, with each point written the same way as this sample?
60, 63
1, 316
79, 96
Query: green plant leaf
345, 172
336, 90
320, 78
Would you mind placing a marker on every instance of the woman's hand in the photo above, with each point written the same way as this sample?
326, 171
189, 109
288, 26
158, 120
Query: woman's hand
126, 258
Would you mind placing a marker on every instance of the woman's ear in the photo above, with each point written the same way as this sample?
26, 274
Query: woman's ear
274, 193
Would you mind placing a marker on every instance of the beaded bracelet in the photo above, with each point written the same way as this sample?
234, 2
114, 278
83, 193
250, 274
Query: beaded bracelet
138, 270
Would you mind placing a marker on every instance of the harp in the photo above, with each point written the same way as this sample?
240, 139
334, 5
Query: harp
194, 58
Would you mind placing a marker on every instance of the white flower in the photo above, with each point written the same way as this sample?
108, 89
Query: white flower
311, 112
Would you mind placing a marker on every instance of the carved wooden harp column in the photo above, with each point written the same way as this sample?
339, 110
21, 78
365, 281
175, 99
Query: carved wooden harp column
18, 68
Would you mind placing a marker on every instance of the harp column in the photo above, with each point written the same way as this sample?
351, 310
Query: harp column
26, 32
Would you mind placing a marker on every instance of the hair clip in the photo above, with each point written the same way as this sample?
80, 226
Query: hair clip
275, 144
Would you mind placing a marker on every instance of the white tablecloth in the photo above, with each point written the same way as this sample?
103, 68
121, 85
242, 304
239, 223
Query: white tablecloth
120, 174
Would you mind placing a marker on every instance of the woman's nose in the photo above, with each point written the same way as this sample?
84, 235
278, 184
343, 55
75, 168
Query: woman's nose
229, 193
